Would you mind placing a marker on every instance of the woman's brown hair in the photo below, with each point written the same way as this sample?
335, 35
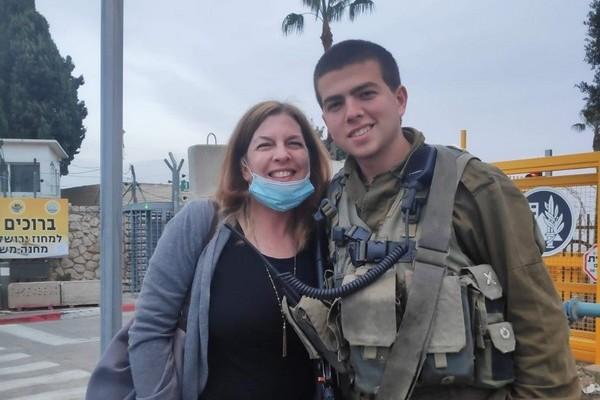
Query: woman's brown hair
232, 192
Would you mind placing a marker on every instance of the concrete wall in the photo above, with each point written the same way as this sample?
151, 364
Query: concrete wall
83, 261
204, 168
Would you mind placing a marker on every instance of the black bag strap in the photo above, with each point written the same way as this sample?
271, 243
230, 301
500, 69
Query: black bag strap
408, 353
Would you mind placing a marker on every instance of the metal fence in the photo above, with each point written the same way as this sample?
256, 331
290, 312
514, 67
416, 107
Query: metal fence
143, 225
579, 174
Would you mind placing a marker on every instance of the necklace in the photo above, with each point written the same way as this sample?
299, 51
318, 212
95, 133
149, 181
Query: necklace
277, 297
283, 319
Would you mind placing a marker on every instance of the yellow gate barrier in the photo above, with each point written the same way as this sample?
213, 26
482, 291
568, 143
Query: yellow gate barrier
579, 174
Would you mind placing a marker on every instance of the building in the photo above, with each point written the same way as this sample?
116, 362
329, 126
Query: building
30, 167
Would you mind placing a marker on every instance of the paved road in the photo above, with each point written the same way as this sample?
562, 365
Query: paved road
49, 360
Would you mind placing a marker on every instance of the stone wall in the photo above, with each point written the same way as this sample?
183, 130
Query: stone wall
83, 261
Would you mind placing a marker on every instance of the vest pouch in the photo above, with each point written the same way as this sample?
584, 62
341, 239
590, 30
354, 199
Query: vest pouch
494, 366
369, 315
451, 350
309, 318
369, 326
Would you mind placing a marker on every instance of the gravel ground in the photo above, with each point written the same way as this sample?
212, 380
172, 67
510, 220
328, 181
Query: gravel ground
587, 379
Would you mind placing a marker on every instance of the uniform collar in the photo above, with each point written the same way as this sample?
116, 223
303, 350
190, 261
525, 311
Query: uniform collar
352, 171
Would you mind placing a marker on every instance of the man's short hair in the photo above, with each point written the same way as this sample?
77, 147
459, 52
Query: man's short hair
356, 51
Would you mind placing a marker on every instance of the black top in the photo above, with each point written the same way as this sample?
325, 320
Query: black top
245, 330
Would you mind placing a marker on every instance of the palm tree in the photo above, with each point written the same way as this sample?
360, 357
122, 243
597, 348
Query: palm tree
326, 11
595, 125
590, 113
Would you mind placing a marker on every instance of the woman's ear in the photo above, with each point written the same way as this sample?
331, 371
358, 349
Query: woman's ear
246, 173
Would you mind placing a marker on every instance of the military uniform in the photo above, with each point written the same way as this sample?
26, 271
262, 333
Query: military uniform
492, 224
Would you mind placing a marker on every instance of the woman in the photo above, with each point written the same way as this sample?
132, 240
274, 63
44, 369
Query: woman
274, 173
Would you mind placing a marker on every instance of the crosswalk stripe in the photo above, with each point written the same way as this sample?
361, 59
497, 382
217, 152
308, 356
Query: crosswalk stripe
13, 357
64, 394
36, 366
44, 379
1, 348
39, 336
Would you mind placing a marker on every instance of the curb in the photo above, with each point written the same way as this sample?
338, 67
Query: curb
23, 317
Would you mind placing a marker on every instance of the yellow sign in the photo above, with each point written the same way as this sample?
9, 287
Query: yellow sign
34, 228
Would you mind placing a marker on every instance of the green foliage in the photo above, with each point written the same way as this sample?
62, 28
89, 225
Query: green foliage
591, 110
335, 152
64, 277
38, 94
326, 11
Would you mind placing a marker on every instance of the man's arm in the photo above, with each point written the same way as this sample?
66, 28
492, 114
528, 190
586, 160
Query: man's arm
494, 225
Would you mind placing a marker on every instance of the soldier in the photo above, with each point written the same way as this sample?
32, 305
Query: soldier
469, 310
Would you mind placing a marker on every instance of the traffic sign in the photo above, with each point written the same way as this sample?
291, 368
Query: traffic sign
590, 263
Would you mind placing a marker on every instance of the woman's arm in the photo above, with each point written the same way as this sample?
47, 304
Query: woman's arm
168, 278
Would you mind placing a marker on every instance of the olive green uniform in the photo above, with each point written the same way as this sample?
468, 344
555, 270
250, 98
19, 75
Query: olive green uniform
493, 225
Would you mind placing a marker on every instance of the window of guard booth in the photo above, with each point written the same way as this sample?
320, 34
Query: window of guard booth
24, 177
3, 177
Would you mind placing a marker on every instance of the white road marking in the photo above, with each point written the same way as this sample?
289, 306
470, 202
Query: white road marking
1, 348
64, 394
13, 357
44, 379
35, 366
39, 336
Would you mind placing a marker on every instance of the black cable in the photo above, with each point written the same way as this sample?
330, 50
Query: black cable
296, 288
350, 287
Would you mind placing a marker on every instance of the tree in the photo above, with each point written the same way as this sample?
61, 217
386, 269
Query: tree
326, 11
38, 94
591, 110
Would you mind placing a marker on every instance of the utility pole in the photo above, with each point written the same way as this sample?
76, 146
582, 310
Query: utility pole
111, 168
175, 172
133, 184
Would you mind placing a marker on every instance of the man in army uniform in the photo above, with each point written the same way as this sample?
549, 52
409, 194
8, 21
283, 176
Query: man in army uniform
358, 87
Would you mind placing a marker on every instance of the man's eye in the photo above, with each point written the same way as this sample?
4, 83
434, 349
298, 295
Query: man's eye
367, 94
334, 106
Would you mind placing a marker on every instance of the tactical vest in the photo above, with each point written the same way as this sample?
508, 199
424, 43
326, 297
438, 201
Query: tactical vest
468, 340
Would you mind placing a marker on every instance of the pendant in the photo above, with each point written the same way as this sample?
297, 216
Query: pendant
284, 341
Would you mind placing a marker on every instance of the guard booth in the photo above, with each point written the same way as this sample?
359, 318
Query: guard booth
563, 195
143, 225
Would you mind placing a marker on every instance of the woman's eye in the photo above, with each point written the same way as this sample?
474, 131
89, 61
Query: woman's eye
296, 145
262, 145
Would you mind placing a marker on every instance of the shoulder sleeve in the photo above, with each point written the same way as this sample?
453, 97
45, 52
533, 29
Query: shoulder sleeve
167, 281
494, 225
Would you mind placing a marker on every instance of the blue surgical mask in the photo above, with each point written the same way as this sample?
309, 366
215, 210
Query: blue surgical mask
280, 196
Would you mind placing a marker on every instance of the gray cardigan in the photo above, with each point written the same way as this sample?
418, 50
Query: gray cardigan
179, 261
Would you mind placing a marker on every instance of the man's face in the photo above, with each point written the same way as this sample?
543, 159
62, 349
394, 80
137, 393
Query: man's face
363, 115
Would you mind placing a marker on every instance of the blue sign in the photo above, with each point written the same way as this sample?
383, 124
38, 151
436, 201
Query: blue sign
554, 213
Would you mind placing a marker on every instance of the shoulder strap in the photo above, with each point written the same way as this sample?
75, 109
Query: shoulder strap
408, 353
336, 186
182, 322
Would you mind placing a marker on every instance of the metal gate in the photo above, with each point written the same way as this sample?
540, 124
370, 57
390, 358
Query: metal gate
143, 225
579, 174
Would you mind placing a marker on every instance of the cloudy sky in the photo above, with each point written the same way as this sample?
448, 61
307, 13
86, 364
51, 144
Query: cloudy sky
503, 70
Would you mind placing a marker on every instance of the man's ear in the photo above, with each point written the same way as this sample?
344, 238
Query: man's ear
402, 98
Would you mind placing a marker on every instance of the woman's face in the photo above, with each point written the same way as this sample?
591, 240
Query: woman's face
277, 150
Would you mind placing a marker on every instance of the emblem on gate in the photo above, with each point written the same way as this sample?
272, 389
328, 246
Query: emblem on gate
554, 213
